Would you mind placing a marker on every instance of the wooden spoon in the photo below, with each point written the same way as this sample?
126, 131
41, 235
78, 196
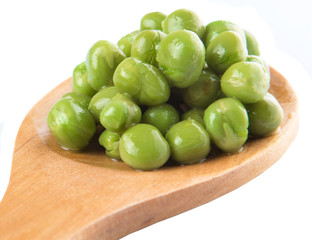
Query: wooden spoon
57, 194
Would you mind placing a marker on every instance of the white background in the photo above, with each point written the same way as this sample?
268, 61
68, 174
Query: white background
42, 41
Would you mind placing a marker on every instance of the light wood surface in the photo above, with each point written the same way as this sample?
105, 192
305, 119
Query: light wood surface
57, 194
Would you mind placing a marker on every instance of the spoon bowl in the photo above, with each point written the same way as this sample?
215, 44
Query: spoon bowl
58, 194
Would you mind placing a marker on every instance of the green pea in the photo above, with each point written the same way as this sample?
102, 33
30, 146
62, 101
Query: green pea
102, 60
120, 113
189, 142
181, 57
72, 124
100, 100
203, 92
143, 82
143, 147
246, 81
265, 116
152, 21
183, 19
226, 121
224, 50
146, 45
82, 99
80, 80
194, 114
110, 141
252, 44
162, 116
214, 28
125, 43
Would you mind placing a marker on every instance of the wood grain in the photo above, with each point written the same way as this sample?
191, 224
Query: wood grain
57, 194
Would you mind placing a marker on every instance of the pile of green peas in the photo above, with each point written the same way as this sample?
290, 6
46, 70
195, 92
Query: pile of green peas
171, 89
